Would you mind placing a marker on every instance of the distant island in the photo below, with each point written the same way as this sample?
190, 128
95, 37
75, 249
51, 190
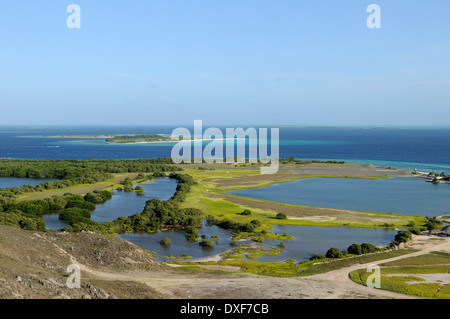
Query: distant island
137, 138
124, 138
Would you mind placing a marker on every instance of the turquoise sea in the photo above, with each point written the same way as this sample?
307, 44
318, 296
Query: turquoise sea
427, 149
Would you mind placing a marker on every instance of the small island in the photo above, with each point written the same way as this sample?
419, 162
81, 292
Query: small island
139, 138
124, 138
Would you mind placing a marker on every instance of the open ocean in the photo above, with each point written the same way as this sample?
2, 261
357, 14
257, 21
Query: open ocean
427, 149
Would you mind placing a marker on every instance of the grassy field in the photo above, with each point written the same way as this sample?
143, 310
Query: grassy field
210, 196
79, 189
425, 276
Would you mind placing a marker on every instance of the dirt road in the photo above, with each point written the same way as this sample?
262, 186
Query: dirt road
34, 263
334, 284
339, 278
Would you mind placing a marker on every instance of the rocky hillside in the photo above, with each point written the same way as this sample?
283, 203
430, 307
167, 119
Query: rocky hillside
33, 265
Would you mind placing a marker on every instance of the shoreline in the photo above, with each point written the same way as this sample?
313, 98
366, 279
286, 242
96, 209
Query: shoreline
179, 141
141, 142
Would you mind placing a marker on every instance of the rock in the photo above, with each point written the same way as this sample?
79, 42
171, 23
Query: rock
99, 293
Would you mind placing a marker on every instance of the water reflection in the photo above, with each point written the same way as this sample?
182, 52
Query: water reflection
308, 241
179, 244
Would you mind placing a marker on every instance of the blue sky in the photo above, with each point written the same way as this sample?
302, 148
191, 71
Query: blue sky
246, 62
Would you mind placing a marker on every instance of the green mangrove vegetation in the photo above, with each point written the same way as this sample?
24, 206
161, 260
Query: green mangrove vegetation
74, 172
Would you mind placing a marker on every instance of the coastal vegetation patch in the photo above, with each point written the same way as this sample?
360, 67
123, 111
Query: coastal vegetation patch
306, 268
425, 276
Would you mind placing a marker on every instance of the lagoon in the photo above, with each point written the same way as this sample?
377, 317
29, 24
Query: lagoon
180, 245
122, 204
313, 240
6, 182
307, 241
399, 195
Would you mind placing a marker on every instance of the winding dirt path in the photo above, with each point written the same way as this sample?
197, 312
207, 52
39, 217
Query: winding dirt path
341, 279
175, 284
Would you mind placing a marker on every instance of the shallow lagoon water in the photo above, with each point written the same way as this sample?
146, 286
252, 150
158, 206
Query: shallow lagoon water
179, 244
310, 240
399, 195
307, 241
122, 204
6, 182
125, 204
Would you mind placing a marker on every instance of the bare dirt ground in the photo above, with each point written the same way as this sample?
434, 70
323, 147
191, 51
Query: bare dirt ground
339, 278
33, 265
353, 170
317, 214
292, 172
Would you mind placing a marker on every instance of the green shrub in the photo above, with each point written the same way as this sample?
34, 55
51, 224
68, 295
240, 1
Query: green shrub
403, 236
333, 253
367, 248
190, 230
75, 215
433, 223
97, 197
165, 241
78, 201
317, 257
246, 212
355, 249
20, 220
206, 243
281, 216
255, 223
